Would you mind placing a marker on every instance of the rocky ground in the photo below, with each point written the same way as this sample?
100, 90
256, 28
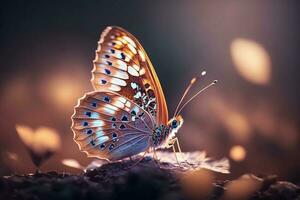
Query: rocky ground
143, 181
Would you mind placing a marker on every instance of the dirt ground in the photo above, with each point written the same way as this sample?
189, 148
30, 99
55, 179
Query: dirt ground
143, 181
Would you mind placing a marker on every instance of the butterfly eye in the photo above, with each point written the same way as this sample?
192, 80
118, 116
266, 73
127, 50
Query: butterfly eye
174, 124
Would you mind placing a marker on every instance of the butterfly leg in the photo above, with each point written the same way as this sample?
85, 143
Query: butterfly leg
154, 154
174, 150
179, 149
172, 144
155, 157
137, 162
178, 146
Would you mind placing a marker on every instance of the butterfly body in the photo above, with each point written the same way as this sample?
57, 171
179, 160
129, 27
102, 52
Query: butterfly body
159, 134
127, 113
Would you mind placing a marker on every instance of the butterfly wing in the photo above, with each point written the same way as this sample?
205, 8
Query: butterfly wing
109, 126
122, 65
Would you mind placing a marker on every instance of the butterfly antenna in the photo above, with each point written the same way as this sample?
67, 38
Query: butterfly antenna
199, 92
187, 90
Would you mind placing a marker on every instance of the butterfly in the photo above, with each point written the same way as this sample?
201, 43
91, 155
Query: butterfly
126, 114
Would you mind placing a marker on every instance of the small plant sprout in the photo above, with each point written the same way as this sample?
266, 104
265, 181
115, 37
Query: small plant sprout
41, 143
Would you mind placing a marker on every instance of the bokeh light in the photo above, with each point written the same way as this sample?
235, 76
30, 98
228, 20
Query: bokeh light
251, 60
198, 184
242, 188
12, 156
232, 119
63, 88
237, 153
17, 91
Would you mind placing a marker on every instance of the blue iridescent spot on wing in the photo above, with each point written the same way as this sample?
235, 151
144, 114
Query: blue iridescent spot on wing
122, 126
133, 113
85, 123
89, 131
94, 104
106, 98
122, 56
107, 56
124, 118
88, 113
102, 146
109, 63
92, 142
111, 146
103, 81
113, 119
114, 137
107, 71
112, 51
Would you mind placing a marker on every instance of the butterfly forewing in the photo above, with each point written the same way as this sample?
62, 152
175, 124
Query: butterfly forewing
110, 126
122, 66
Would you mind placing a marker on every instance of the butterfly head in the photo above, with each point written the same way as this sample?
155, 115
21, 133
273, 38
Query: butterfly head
175, 123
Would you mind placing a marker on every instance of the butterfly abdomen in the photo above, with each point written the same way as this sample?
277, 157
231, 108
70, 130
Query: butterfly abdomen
159, 135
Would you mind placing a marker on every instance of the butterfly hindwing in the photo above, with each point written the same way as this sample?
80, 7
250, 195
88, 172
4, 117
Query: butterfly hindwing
122, 66
109, 126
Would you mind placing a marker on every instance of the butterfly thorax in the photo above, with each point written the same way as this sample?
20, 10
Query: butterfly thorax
160, 134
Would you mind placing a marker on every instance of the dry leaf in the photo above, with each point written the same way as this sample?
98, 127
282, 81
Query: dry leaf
72, 163
194, 161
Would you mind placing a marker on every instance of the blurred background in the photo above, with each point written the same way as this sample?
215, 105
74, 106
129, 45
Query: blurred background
252, 47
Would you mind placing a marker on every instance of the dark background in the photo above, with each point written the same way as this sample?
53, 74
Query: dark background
46, 53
